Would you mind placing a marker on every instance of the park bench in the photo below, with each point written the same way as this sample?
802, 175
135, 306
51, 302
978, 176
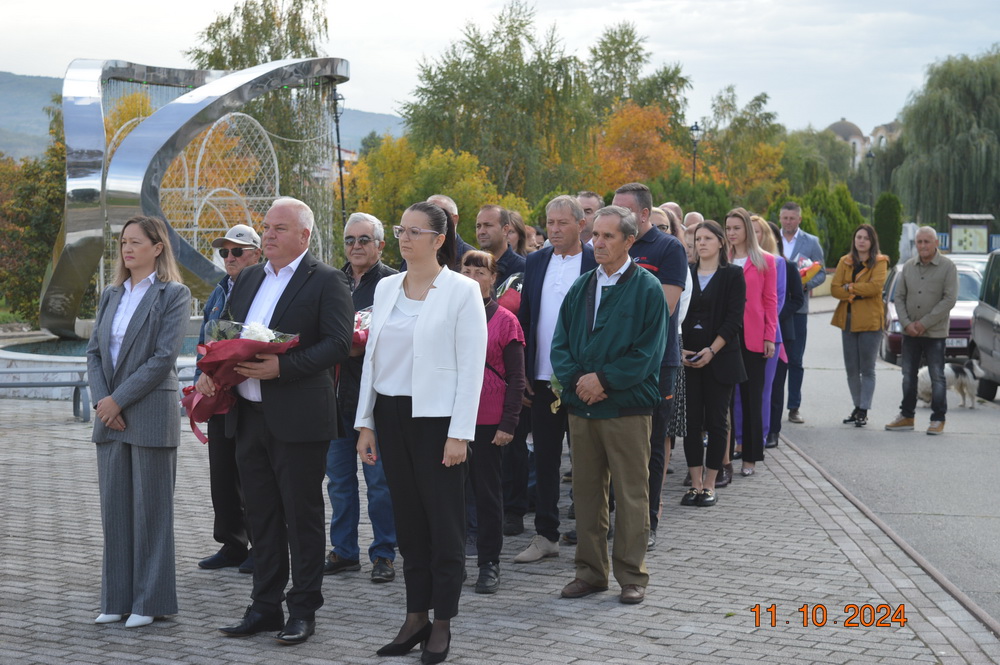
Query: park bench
77, 381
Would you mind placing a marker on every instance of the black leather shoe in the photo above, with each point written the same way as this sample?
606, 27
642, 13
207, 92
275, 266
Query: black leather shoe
513, 525
334, 564
382, 571
705, 499
296, 631
219, 560
489, 578
247, 566
255, 622
772, 440
432, 657
569, 537
725, 476
690, 497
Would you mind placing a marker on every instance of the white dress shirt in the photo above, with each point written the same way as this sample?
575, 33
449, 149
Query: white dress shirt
262, 309
126, 308
788, 246
603, 280
393, 358
562, 271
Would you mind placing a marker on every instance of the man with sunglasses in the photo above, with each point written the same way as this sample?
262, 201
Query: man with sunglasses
364, 240
238, 249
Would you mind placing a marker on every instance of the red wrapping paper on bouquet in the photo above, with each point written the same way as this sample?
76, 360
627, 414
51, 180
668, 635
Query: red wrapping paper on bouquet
219, 359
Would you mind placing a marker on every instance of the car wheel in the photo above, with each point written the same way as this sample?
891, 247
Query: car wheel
887, 355
987, 390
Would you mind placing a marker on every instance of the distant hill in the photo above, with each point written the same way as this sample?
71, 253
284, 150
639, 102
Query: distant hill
24, 126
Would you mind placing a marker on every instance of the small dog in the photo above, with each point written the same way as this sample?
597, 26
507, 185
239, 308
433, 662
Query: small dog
963, 379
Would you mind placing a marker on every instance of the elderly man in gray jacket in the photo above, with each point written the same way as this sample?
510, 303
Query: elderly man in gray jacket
927, 290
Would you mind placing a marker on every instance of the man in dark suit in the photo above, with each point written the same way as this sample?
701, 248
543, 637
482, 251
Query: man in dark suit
284, 418
548, 274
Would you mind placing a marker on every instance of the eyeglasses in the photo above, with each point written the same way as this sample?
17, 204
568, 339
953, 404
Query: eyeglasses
237, 252
413, 231
361, 240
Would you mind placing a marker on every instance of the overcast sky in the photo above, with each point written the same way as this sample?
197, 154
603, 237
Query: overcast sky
819, 60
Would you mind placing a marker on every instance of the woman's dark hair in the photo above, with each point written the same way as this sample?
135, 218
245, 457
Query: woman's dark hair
776, 232
475, 258
517, 223
872, 252
442, 222
716, 230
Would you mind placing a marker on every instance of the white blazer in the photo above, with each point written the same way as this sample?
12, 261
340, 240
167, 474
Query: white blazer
449, 352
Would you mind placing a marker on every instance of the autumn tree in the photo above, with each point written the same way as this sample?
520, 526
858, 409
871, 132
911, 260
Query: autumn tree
951, 135
517, 101
633, 146
298, 120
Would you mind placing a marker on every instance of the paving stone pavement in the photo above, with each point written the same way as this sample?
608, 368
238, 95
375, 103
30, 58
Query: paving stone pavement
784, 537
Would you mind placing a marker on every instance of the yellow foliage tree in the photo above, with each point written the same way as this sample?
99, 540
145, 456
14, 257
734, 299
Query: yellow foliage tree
634, 145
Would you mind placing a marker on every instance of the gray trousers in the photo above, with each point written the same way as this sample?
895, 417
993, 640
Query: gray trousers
860, 351
137, 513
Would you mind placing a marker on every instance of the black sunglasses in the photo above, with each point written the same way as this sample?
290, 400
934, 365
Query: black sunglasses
237, 252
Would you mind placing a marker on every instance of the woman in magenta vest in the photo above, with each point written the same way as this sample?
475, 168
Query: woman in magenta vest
499, 409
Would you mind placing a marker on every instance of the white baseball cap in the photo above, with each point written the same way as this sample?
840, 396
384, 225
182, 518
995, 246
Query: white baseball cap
241, 234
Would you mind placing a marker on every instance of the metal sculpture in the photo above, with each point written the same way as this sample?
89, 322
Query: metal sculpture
135, 171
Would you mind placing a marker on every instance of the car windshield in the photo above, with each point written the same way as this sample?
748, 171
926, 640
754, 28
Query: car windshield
968, 285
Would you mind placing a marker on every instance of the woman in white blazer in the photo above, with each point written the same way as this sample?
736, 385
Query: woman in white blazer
131, 361
423, 373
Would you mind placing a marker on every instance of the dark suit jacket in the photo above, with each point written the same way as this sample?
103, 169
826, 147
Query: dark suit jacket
531, 298
795, 298
300, 404
144, 383
724, 299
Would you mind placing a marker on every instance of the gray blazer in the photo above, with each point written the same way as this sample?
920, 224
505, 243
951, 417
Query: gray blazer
808, 245
144, 384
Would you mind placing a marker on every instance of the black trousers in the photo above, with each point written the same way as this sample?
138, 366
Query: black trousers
515, 467
778, 397
286, 510
548, 430
230, 528
707, 411
428, 502
484, 471
657, 456
751, 399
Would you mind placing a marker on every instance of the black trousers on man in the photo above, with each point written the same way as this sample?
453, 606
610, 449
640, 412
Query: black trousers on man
287, 514
230, 527
428, 501
548, 430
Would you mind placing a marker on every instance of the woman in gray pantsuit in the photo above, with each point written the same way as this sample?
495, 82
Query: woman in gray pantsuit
130, 363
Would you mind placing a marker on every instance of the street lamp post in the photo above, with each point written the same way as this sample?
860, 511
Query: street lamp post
870, 158
695, 135
338, 110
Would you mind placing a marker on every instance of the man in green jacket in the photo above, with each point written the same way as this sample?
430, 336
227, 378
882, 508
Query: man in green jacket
606, 352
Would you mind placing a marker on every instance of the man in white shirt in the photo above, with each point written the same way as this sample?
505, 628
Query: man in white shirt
548, 275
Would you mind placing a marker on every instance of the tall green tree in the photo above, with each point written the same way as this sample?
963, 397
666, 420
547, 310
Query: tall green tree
517, 101
889, 224
261, 31
615, 63
32, 194
667, 87
814, 158
951, 134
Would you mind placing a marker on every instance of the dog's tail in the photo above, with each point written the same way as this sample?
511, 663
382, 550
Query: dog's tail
975, 369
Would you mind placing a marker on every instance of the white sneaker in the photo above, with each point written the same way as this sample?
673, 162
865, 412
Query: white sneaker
137, 620
539, 548
108, 618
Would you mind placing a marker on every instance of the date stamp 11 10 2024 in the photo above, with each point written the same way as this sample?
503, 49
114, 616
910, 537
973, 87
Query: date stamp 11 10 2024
853, 616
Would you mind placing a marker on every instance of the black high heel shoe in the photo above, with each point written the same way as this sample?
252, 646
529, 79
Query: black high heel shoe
431, 657
400, 648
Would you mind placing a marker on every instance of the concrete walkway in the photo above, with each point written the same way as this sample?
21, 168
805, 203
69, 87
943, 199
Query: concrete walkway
784, 537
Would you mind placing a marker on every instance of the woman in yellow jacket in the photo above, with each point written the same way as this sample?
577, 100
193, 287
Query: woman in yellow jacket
857, 284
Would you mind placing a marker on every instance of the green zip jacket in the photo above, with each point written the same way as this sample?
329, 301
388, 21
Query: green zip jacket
624, 346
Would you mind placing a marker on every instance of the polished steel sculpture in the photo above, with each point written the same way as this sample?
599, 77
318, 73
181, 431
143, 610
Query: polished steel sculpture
136, 169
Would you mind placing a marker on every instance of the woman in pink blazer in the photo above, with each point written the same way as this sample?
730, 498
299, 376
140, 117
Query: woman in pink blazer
760, 321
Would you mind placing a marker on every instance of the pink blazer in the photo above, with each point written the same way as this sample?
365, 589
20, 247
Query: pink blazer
760, 316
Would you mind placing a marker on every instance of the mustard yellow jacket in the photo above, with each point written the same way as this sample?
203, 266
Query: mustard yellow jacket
864, 294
